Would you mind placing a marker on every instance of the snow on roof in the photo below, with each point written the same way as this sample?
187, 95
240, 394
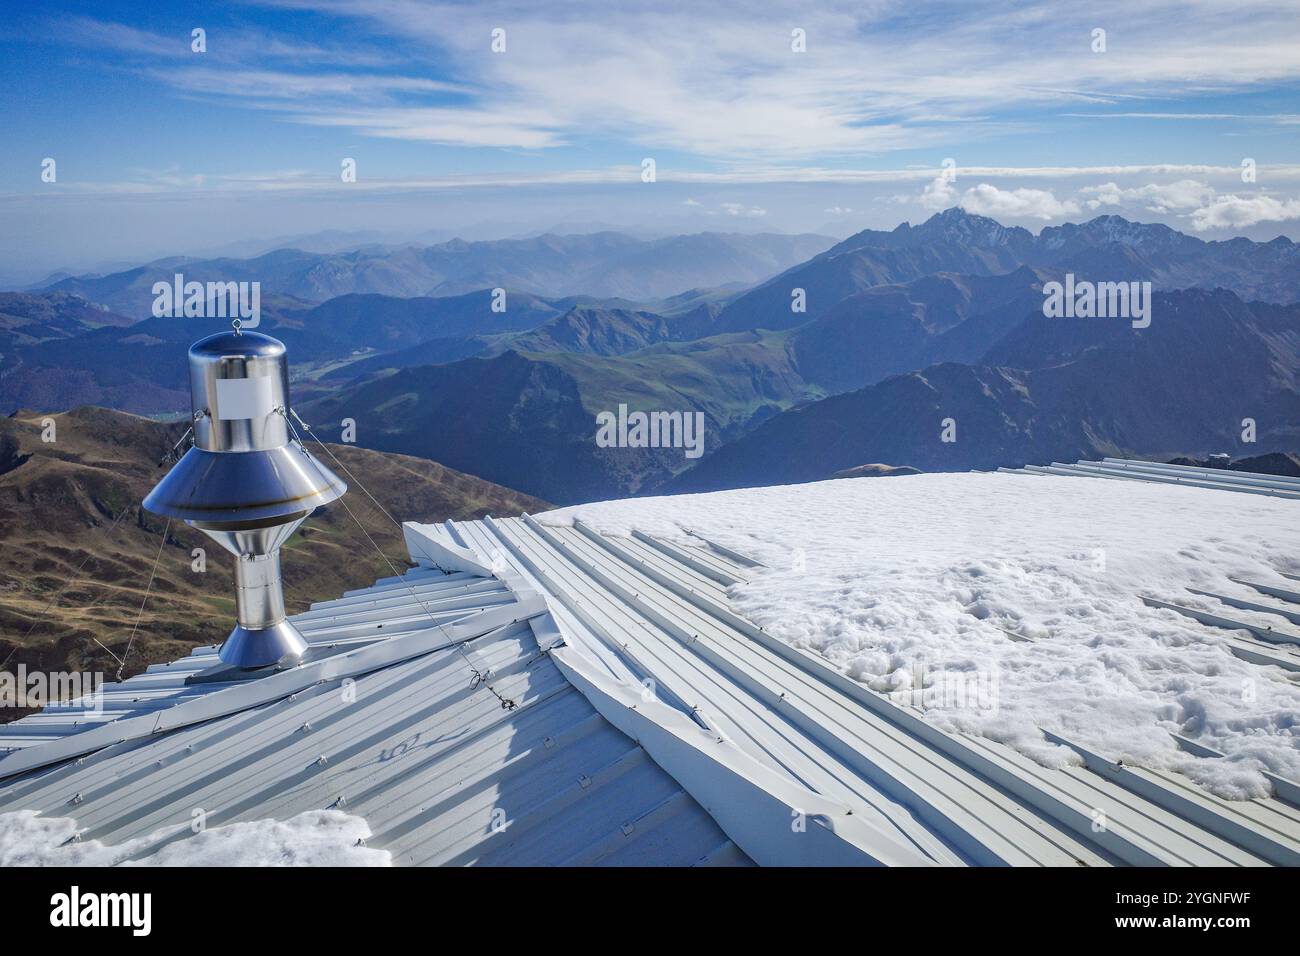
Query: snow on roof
938, 669
312, 838
1034, 586
659, 603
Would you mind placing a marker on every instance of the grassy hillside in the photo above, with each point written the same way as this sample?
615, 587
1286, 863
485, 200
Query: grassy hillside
75, 503
529, 420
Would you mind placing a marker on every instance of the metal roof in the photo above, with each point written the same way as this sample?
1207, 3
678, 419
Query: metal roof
1128, 469
681, 731
437, 768
659, 611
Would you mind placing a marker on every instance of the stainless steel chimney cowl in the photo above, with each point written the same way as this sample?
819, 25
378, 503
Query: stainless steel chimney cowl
246, 484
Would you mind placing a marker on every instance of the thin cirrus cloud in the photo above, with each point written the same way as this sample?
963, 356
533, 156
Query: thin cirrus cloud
445, 126
228, 46
717, 95
272, 85
722, 83
935, 195
1282, 119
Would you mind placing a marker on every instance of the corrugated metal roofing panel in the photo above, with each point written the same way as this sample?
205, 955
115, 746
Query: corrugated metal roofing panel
957, 799
439, 770
1221, 479
772, 711
359, 617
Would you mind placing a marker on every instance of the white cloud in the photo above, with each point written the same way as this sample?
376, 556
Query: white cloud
1207, 207
444, 125
867, 84
988, 200
1155, 197
229, 46
740, 209
1281, 119
1126, 191
281, 85
1237, 212
938, 194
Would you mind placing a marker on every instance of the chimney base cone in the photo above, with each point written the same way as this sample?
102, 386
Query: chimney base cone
248, 648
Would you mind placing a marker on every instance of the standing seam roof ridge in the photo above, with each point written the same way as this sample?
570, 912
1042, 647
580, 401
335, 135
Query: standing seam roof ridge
687, 838
783, 754
260, 760
1130, 845
269, 687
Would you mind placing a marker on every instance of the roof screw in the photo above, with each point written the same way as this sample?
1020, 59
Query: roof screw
321, 761
627, 829
77, 798
584, 781
305, 727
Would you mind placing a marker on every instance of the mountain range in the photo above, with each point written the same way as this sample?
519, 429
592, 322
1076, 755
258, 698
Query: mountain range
28, 320
1105, 248
527, 419
604, 265
1051, 390
903, 328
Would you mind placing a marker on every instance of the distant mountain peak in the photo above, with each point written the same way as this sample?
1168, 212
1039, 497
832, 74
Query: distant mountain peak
953, 225
958, 214
1141, 236
957, 223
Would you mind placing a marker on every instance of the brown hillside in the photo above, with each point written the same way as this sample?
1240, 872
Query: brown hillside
77, 500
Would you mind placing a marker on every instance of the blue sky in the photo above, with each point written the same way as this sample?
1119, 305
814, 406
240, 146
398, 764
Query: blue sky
164, 150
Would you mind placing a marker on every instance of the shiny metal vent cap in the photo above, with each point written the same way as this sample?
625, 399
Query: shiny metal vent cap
243, 469
239, 389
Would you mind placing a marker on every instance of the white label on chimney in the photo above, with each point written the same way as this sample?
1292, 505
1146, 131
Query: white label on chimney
243, 397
